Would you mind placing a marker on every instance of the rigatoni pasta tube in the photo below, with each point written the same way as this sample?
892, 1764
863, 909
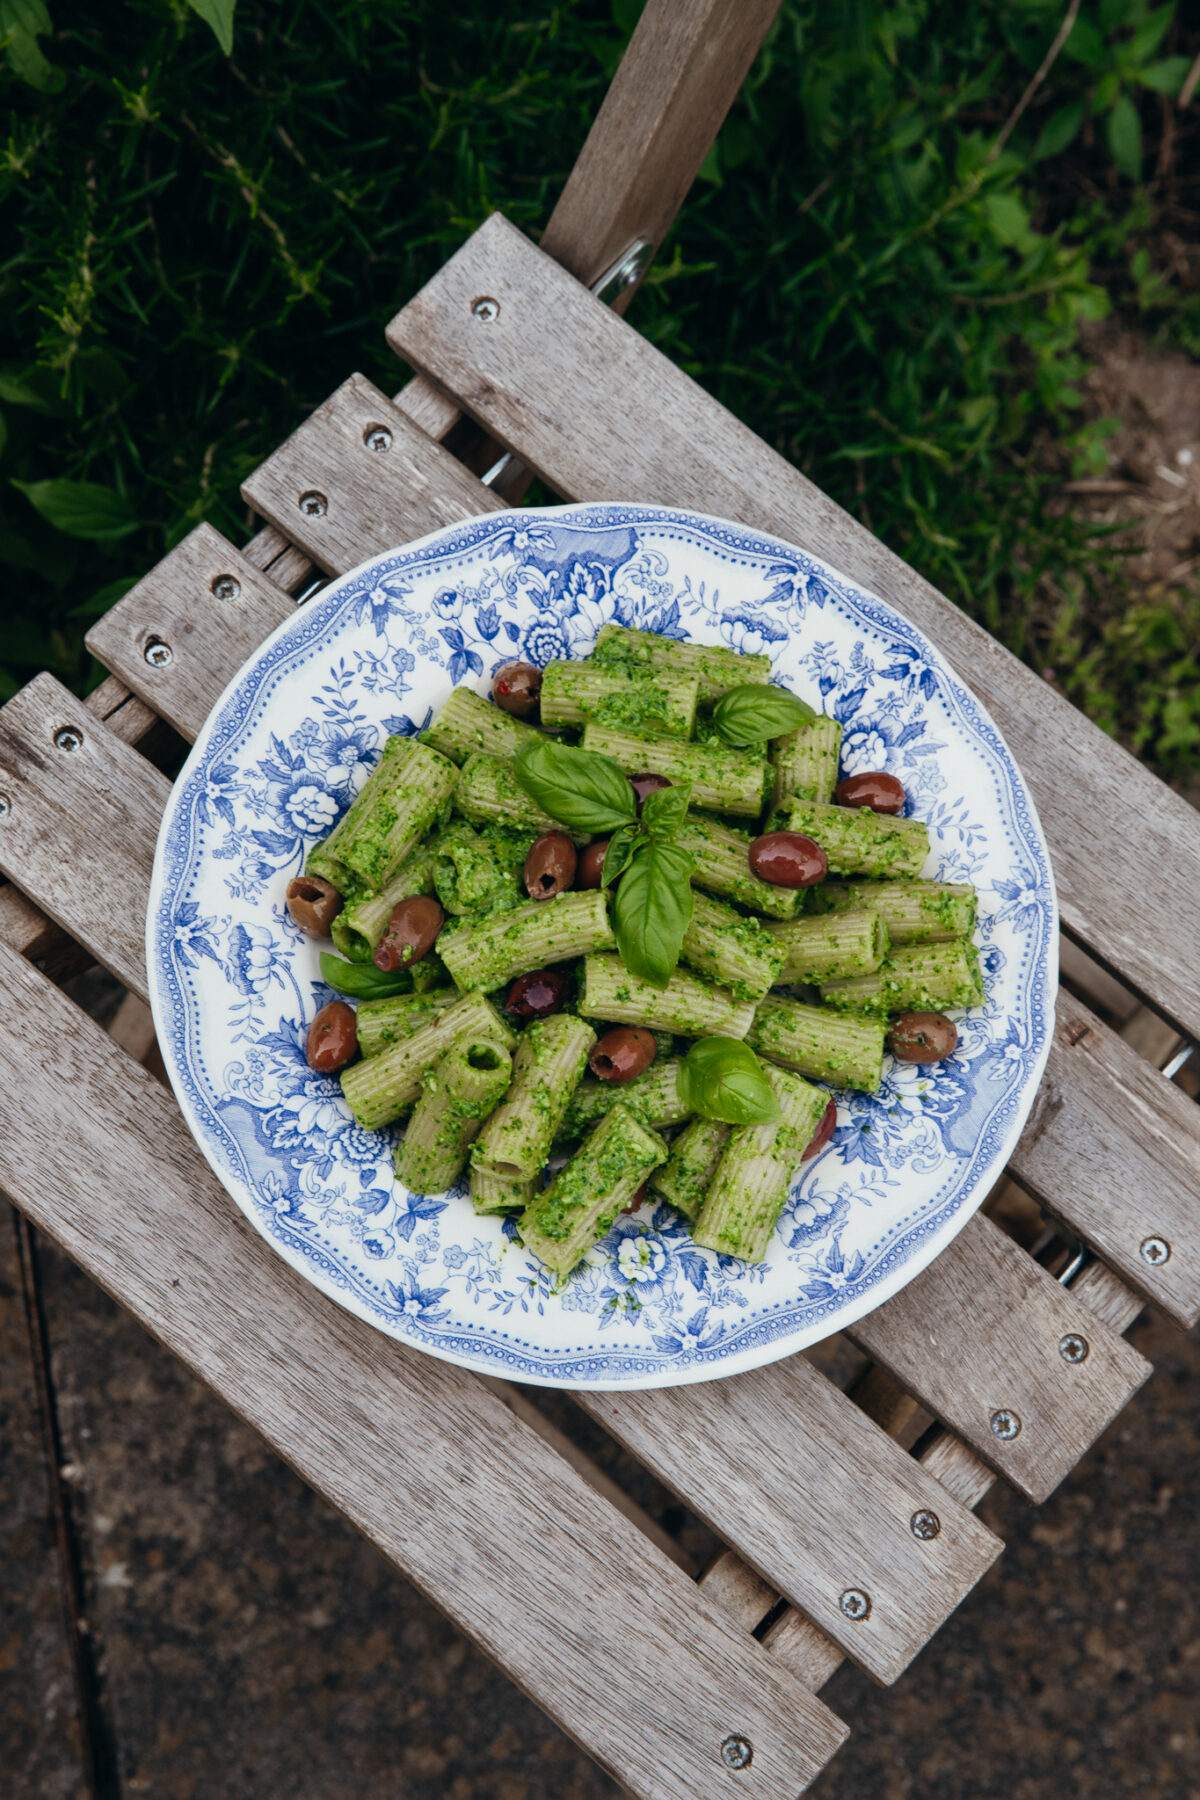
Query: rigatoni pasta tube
549, 1061
583, 1200
831, 946
734, 952
379, 1089
915, 978
402, 797
716, 668
358, 928
492, 1193
654, 1098
805, 762
488, 790
495, 948
750, 1187
727, 780
686, 1005
382, 1023
683, 1181
856, 840
480, 874
722, 866
835, 1047
457, 1094
467, 723
915, 912
575, 692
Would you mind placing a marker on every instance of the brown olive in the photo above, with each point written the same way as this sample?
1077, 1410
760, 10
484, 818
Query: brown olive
550, 866
622, 1053
314, 904
645, 785
591, 864
922, 1037
538, 994
881, 792
787, 859
824, 1131
332, 1038
517, 688
632, 1204
411, 931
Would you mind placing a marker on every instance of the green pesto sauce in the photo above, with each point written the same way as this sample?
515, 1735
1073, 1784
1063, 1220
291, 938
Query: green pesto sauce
640, 706
607, 1167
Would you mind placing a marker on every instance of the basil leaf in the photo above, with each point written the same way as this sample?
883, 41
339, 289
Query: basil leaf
621, 846
721, 1078
363, 981
577, 787
750, 714
663, 811
652, 909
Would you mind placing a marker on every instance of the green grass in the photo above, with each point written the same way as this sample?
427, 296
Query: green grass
197, 250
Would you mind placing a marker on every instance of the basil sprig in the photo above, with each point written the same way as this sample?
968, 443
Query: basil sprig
721, 1078
652, 908
755, 712
580, 789
362, 981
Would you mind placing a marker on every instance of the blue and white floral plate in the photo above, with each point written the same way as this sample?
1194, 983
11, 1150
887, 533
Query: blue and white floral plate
234, 985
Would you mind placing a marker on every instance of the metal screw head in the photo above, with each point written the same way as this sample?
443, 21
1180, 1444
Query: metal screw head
1156, 1251
1005, 1424
157, 654
737, 1752
925, 1524
312, 504
1073, 1348
5, 805
226, 587
855, 1604
377, 437
485, 309
67, 738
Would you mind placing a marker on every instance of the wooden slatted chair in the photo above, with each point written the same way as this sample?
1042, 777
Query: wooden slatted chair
839, 1542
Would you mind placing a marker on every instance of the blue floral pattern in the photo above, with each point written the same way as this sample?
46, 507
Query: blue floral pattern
234, 985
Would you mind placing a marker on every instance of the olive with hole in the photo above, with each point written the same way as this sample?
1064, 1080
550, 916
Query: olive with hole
410, 933
538, 994
332, 1038
922, 1037
517, 689
622, 1053
824, 1131
645, 785
591, 864
550, 866
787, 859
313, 904
878, 790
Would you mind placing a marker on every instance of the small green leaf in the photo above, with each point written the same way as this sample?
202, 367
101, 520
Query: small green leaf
621, 846
22, 22
756, 712
664, 810
1165, 77
1085, 44
721, 1078
362, 981
1150, 34
83, 509
579, 788
1124, 131
652, 910
218, 14
1059, 130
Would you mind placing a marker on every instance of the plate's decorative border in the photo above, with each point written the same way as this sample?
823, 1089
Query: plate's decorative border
763, 1336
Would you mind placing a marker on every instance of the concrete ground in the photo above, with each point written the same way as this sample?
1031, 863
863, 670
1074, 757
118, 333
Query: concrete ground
238, 1639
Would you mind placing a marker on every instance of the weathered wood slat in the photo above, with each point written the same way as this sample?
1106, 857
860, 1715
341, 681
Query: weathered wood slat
181, 634
604, 1632
815, 1498
1005, 1356
342, 500
79, 830
600, 414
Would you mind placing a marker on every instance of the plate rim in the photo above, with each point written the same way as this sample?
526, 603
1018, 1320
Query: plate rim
490, 1360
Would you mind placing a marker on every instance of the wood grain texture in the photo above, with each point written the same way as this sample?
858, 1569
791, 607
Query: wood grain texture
980, 1332
608, 1635
186, 605
427, 407
675, 83
814, 1497
1113, 1149
373, 499
600, 414
78, 837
